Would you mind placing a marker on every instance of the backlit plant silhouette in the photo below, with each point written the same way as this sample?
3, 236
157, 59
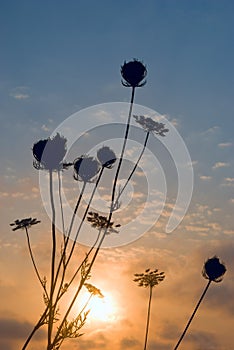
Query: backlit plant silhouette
148, 279
49, 156
214, 271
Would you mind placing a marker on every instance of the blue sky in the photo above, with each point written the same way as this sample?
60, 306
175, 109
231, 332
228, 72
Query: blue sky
58, 57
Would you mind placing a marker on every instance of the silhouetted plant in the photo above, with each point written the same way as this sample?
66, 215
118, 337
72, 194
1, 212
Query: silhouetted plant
49, 155
213, 270
149, 279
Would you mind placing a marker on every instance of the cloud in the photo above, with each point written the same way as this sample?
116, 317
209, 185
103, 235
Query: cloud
19, 96
203, 177
20, 93
229, 179
13, 329
202, 339
220, 165
128, 343
225, 144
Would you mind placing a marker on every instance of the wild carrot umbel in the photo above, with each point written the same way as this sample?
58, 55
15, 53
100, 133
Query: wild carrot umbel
148, 279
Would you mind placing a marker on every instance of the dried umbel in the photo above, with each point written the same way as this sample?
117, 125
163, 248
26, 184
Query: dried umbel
151, 125
101, 222
24, 223
133, 74
213, 269
85, 169
49, 153
94, 290
106, 157
149, 278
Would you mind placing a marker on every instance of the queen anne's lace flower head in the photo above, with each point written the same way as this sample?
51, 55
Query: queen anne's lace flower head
151, 125
24, 223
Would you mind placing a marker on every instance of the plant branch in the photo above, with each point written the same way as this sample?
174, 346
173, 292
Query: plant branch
192, 316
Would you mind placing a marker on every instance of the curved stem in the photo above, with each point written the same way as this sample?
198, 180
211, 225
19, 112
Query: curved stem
148, 318
74, 242
192, 316
78, 290
87, 255
33, 262
134, 168
123, 149
51, 310
36, 327
63, 256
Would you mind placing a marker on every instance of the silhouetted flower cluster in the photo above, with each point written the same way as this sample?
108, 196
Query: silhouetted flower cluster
94, 290
85, 169
101, 222
49, 153
213, 269
106, 157
151, 125
24, 223
133, 72
149, 278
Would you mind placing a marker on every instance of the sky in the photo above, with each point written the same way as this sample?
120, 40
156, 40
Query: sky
60, 59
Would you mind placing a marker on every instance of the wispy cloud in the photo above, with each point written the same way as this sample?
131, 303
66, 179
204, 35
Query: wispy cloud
220, 165
20, 93
204, 177
225, 144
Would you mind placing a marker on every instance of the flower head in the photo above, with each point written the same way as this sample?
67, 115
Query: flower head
49, 153
24, 223
94, 290
133, 73
149, 278
101, 222
106, 157
213, 269
85, 169
151, 125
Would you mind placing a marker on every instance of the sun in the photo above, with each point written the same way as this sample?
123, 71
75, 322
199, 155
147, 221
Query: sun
102, 309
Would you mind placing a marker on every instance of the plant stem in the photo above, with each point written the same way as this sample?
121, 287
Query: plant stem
74, 242
192, 316
63, 256
134, 168
51, 310
148, 318
33, 261
61, 205
78, 290
36, 327
122, 152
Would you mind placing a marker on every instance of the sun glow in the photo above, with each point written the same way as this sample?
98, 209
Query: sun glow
102, 309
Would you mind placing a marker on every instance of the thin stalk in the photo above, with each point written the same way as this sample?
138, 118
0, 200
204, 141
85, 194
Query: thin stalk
134, 168
61, 205
33, 262
192, 316
148, 318
87, 255
78, 290
51, 310
63, 256
123, 149
78, 231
